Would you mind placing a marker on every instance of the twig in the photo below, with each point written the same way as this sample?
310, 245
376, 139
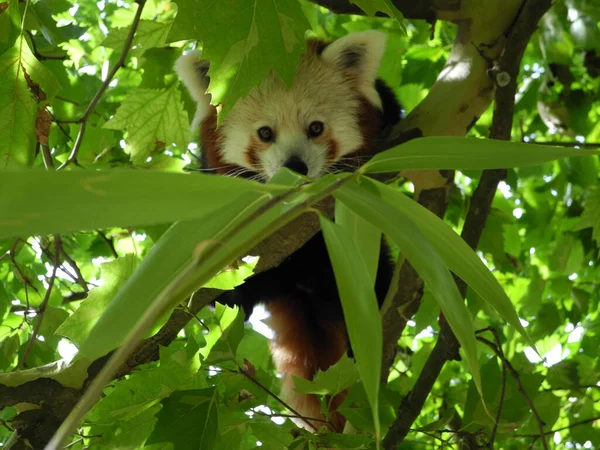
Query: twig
42, 308
48, 162
66, 269
272, 394
26, 282
120, 62
570, 388
79, 277
431, 435
517, 377
290, 416
37, 54
502, 389
573, 425
109, 242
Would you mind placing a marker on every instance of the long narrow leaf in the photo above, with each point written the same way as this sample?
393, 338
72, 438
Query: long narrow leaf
455, 252
361, 313
364, 234
466, 154
424, 258
210, 259
88, 199
168, 258
173, 256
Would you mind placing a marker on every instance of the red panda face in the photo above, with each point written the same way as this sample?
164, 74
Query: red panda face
329, 112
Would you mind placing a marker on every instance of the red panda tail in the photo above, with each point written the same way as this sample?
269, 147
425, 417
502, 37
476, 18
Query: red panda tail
301, 348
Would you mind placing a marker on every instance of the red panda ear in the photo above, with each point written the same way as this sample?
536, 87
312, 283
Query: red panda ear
194, 73
358, 55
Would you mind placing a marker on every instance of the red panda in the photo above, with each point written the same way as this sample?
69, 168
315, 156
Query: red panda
329, 118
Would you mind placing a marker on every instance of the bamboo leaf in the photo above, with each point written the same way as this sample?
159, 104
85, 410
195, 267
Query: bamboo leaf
466, 154
455, 252
361, 311
423, 257
84, 200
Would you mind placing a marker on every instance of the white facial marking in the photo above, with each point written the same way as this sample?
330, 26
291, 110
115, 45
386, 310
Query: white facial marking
327, 87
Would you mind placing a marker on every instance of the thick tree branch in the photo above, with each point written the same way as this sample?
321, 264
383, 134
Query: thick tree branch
447, 346
462, 92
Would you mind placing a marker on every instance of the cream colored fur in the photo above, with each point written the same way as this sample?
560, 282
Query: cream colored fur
190, 68
326, 88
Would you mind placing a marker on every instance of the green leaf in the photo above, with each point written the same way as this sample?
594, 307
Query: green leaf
360, 307
188, 419
232, 277
4, 302
167, 259
334, 380
149, 34
591, 214
234, 430
71, 201
273, 438
170, 272
178, 369
466, 154
70, 375
19, 108
231, 325
366, 236
114, 275
454, 251
132, 433
43, 11
371, 7
344, 441
364, 199
262, 36
153, 119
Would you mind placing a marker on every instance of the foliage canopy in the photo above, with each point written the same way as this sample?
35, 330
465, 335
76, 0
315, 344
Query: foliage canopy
121, 232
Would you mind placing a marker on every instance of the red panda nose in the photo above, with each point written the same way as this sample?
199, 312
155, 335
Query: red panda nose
297, 165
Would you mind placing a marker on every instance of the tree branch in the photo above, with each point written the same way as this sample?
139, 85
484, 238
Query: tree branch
447, 346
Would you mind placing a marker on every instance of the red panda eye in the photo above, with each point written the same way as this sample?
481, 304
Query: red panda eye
265, 134
315, 128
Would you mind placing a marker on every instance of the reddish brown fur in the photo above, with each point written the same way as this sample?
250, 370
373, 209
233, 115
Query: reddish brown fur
254, 148
212, 139
332, 150
298, 349
315, 46
369, 123
252, 155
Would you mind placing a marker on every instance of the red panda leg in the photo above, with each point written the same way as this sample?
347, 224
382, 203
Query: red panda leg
301, 349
